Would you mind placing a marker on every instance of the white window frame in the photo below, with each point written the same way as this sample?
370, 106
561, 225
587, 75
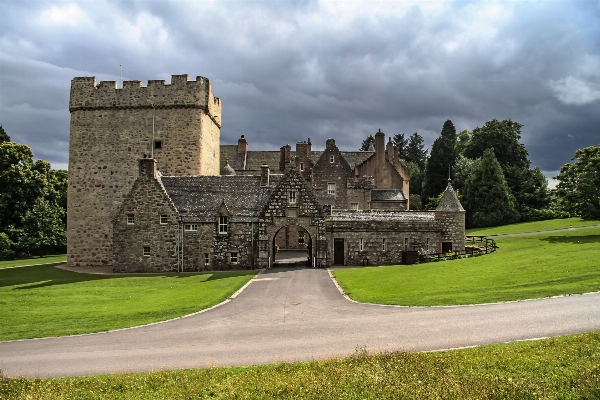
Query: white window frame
301, 166
292, 197
146, 251
383, 243
223, 224
354, 206
361, 244
190, 227
331, 188
234, 257
130, 219
427, 245
164, 219
405, 243
331, 159
206, 258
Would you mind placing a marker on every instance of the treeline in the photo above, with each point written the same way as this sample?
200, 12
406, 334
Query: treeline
33, 203
492, 175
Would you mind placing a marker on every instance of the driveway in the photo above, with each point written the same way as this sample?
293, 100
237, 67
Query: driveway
294, 314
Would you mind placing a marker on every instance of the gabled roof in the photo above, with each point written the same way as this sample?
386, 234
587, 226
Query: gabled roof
354, 158
449, 201
198, 198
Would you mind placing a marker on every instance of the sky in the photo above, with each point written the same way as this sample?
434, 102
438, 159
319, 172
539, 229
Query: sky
290, 70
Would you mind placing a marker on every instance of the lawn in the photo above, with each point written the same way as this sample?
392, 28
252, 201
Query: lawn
42, 301
523, 268
564, 367
54, 259
535, 226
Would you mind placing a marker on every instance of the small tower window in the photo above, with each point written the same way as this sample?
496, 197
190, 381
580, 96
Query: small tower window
206, 259
234, 257
405, 243
301, 166
361, 244
354, 206
383, 244
332, 159
292, 197
146, 251
163, 219
158, 144
130, 219
427, 245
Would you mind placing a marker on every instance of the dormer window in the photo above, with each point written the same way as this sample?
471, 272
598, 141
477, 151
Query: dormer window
223, 222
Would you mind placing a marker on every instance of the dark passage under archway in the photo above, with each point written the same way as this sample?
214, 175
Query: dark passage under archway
292, 246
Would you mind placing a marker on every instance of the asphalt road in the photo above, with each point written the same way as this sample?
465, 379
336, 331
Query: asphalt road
295, 314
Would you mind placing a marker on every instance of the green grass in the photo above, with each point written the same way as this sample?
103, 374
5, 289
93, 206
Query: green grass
523, 268
54, 259
42, 301
559, 368
535, 226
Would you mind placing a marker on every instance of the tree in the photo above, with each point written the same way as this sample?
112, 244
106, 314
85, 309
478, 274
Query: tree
415, 150
401, 143
487, 198
464, 138
416, 178
43, 227
367, 143
503, 137
442, 158
3, 135
578, 188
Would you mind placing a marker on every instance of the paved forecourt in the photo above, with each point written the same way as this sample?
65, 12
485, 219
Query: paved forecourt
294, 314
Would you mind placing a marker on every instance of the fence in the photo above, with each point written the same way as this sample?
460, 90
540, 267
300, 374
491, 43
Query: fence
479, 245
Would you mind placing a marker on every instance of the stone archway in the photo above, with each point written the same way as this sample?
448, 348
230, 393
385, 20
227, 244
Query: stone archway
292, 244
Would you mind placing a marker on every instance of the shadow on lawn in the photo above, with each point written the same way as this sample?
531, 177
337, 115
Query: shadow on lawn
38, 276
573, 239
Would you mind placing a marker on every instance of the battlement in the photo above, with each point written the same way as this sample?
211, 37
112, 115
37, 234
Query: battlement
181, 93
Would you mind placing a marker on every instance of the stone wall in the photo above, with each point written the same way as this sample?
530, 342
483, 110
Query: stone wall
111, 129
336, 172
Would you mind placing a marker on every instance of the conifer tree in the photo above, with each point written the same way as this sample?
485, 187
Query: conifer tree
3, 135
415, 151
442, 158
368, 142
487, 199
401, 143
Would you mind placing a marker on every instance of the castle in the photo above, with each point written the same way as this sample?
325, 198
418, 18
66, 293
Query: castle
151, 189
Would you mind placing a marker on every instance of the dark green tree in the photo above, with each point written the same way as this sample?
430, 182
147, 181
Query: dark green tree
578, 189
43, 227
3, 135
401, 143
487, 198
367, 143
442, 158
503, 137
416, 181
464, 138
415, 150
462, 172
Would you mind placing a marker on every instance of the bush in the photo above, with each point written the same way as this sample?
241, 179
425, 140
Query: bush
6, 251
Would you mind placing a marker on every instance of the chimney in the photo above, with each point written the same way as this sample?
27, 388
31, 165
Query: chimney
242, 145
390, 150
284, 157
264, 175
147, 168
379, 142
309, 148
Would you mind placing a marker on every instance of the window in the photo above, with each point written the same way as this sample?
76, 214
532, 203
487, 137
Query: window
158, 144
222, 224
383, 244
206, 259
331, 188
146, 251
427, 245
190, 227
163, 219
331, 159
301, 237
354, 206
405, 243
234, 257
301, 166
292, 197
130, 219
361, 245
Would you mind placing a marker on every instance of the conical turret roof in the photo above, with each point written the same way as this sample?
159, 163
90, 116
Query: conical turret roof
449, 201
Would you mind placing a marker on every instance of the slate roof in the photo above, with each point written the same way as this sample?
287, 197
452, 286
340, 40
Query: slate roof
198, 198
449, 201
355, 158
384, 216
387, 195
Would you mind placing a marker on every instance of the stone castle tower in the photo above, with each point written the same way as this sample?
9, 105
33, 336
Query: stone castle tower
178, 125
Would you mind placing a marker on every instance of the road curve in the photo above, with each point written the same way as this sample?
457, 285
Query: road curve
295, 314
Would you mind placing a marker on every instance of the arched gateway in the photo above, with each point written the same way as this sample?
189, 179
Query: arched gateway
291, 203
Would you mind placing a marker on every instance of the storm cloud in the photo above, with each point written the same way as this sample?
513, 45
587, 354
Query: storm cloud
286, 71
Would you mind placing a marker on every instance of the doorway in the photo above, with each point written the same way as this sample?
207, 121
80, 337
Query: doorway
338, 251
292, 246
